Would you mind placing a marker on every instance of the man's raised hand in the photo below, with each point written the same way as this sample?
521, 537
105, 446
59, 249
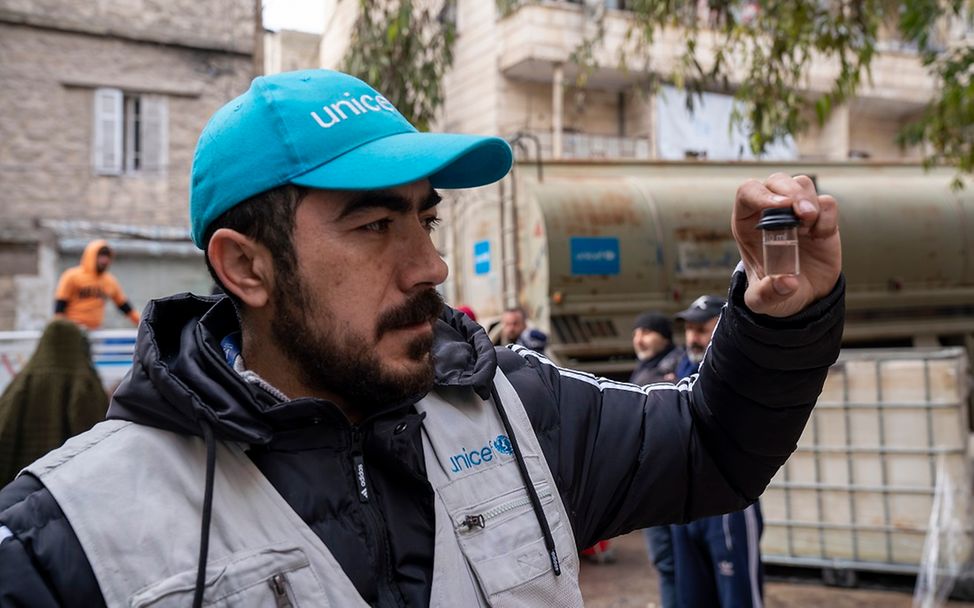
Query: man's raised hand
820, 251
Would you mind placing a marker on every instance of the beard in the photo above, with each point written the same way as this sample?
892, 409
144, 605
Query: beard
695, 353
343, 363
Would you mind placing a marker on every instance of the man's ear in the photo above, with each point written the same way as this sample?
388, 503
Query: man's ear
243, 265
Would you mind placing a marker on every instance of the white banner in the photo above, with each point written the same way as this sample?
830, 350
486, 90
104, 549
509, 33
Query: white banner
706, 133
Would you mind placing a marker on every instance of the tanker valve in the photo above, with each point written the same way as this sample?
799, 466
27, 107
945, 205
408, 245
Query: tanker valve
780, 227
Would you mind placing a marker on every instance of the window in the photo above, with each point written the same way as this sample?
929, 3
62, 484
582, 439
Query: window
131, 133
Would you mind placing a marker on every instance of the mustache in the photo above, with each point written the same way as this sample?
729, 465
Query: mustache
424, 307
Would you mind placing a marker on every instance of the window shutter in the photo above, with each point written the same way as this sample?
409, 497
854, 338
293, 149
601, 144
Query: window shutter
133, 150
155, 134
107, 146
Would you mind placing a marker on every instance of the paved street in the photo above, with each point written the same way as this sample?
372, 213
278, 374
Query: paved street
631, 582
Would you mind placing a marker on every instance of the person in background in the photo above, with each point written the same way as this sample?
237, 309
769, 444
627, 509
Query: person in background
56, 395
717, 560
83, 289
652, 340
699, 319
468, 311
515, 330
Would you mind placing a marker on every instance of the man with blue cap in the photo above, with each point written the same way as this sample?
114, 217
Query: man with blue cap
330, 434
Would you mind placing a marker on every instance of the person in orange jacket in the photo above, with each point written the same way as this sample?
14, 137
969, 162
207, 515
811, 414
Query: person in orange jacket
82, 290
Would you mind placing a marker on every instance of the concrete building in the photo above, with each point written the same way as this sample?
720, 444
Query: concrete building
513, 73
100, 110
287, 50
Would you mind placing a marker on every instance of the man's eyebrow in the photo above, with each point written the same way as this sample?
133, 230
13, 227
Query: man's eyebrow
385, 199
432, 199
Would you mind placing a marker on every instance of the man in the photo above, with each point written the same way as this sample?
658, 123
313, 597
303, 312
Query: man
657, 356
699, 319
82, 290
716, 561
652, 340
515, 330
329, 434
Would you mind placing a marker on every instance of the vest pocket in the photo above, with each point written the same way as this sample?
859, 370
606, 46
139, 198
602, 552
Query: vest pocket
274, 577
501, 539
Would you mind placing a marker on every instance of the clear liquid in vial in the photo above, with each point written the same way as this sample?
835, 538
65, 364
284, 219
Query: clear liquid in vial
781, 256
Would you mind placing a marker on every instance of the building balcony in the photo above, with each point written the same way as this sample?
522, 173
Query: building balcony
592, 146
535, 38
540, 38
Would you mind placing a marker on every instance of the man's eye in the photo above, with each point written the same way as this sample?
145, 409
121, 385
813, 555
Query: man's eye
378, 226
432, 222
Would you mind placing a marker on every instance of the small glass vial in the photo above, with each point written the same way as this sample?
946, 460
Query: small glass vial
780, 226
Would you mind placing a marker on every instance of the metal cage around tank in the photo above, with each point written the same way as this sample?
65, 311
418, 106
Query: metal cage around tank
858, 492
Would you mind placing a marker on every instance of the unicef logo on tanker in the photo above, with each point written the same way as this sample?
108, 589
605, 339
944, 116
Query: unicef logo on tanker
468, 459
596, 256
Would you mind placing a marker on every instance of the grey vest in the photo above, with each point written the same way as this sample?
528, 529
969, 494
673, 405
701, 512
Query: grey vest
137, 518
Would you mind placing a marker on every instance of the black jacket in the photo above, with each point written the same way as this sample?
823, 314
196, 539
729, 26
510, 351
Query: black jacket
623, 458
657, 367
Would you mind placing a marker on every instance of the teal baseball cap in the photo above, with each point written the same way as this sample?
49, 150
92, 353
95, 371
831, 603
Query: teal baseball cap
328, 130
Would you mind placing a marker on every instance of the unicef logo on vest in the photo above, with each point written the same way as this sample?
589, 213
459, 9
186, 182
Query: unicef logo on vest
503, 445
468, 459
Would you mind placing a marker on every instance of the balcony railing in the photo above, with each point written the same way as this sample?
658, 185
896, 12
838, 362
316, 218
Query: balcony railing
591, 146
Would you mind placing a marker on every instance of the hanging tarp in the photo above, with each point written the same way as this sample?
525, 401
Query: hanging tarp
706, 132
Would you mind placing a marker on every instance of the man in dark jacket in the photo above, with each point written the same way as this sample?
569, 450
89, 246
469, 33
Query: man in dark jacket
330, 433
714, 561
656, 355
699, 322
514, 329
657, 359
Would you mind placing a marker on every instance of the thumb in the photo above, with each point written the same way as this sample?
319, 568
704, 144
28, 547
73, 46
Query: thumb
784, 285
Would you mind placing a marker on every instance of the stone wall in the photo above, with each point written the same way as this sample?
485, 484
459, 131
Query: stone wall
47, 102
288, 50
54, 54
226, 25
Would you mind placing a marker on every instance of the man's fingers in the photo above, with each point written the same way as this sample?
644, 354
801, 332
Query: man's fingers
754, 195
797, 187
782, 183
800, 190
827, 221
784, 285
765, 295
805, 183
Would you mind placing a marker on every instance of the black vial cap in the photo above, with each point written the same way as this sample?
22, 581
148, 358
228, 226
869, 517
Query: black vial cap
777, 218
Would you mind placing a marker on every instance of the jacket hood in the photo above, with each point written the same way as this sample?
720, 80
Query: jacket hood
89, 258
180, 375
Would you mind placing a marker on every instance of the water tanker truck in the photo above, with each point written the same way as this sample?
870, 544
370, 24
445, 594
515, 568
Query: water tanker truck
586, 246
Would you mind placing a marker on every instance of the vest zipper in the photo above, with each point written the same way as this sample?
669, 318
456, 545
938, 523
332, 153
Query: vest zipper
480, 520
281, 590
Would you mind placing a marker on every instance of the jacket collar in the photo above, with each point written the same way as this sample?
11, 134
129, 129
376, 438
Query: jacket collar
180, 374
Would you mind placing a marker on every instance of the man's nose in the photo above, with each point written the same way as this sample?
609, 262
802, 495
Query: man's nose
421, 261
